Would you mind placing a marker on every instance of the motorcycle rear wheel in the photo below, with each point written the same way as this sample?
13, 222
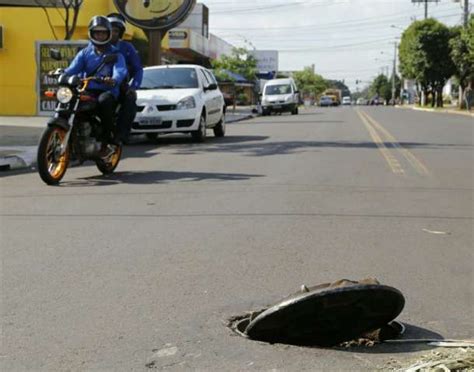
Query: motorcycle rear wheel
52, 165
109, 165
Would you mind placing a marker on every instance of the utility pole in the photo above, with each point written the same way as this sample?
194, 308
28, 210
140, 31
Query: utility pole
426, 4
466, 12
394, 73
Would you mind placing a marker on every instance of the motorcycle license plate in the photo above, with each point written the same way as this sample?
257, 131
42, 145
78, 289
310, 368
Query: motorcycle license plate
150, 121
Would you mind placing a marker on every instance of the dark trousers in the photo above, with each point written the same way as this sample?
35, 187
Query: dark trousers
106, 111
126, 115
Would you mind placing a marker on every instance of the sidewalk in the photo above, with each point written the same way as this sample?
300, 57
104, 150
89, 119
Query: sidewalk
438, 111
240, 113
19, 136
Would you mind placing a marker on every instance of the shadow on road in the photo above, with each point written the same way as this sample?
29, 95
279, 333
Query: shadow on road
155, 177
292, 147
294, 122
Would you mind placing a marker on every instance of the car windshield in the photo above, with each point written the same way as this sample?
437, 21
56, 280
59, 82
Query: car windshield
326, 98
278, 89
170, 78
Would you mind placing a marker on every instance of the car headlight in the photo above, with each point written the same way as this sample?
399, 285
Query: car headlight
64, 95
288, 99
186, 103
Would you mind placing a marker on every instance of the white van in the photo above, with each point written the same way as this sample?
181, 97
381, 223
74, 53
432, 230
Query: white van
280, 95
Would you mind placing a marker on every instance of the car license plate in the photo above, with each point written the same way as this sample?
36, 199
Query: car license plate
277, 106
150, 121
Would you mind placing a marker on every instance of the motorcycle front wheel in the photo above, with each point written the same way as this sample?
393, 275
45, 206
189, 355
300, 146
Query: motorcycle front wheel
52, 164
107, 166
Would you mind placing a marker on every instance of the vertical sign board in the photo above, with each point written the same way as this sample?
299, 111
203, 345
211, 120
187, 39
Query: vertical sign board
45, 64
267, 60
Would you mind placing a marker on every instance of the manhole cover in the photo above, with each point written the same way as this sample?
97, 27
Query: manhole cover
325, 316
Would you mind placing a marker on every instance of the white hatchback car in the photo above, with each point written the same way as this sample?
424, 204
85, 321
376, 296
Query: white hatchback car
179, 98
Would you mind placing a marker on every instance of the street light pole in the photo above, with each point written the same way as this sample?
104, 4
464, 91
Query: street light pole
394, 73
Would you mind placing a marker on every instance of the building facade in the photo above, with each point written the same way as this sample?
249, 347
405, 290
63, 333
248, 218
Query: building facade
24, 25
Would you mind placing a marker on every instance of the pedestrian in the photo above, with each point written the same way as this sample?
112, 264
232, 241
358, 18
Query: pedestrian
128, 96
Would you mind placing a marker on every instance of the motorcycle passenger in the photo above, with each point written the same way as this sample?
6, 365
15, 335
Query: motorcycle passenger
128, 96
85, 64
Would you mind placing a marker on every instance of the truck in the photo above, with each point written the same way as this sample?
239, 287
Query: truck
335, 94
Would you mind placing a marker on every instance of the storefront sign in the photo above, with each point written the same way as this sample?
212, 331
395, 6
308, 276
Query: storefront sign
178, 35
45, 64
155, 14
267, 60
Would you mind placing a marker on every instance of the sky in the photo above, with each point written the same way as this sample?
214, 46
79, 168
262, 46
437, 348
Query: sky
345, 39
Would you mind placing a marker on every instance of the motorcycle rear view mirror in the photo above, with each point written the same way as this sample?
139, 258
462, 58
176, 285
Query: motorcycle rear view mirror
55, 54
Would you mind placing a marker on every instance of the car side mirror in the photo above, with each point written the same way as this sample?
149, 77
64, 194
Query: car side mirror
211, 87
55, 54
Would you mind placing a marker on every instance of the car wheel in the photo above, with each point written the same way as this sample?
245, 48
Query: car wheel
199, 135
295, 111
219, 129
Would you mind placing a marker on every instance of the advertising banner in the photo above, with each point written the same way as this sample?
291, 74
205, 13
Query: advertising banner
45, 64
267, 60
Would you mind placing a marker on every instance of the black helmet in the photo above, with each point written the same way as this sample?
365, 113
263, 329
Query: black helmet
99, 23
117, 20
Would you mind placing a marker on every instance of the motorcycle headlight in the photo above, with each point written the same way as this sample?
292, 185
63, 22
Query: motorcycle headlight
64, 95
186, 103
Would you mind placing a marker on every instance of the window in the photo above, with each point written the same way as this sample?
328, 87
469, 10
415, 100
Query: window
271, 90
170, 78
210, 77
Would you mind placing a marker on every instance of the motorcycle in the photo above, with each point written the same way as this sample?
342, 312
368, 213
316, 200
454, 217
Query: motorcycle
74, 131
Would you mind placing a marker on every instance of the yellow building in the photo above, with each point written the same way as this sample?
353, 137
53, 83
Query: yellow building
21, 27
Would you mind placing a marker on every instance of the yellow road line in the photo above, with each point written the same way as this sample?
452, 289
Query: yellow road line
412, 159
391, 160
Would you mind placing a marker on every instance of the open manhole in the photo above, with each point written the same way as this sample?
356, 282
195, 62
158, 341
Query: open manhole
327, 315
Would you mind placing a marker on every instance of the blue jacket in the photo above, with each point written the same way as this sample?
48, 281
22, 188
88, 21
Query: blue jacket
87, 60
134, 64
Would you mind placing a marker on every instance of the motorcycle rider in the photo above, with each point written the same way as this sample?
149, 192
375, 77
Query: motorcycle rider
86, 63
128, 96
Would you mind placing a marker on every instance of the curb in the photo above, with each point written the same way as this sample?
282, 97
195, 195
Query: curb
14, 159
452, 112
12, 162
247, 117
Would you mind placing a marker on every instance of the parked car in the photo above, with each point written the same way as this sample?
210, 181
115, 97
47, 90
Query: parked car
326, 101
280, 95
346, 101
179, 98
362, 101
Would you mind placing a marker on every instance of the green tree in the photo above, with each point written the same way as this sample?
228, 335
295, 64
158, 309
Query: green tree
309, 83
425, 55
462, 46
380, 87
240, 61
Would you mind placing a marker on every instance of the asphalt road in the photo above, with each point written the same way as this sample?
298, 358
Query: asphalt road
143, 268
